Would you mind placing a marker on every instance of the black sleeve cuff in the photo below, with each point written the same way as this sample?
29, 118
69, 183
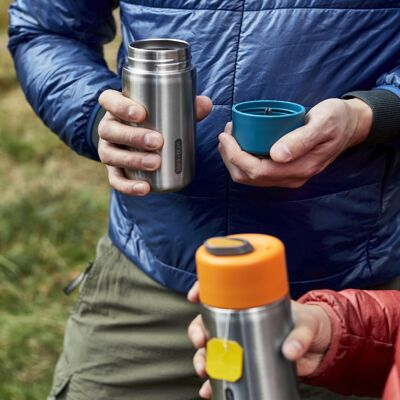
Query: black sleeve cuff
95, 134
385, 106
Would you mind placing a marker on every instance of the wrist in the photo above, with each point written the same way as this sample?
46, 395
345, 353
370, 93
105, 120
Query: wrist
385, 107
329, 334
362, 116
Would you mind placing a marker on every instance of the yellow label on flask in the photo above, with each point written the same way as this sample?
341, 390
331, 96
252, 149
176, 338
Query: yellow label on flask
224, 360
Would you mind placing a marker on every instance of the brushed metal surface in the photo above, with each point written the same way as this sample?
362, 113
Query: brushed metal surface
267, 375
160, 76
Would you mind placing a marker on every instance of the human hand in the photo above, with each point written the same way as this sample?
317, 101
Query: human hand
114, 133
332, 126
305, 345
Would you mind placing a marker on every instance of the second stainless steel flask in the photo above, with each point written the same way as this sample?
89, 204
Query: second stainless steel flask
160, 76
245, 293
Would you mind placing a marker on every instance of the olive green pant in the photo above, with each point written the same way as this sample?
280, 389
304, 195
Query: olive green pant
126, 339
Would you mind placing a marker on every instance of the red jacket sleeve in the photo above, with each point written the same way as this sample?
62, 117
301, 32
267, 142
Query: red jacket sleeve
365, 326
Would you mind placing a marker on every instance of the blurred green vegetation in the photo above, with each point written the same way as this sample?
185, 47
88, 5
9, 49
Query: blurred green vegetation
53, 209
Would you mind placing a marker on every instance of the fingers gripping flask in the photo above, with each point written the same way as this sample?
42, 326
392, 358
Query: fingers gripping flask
245, 294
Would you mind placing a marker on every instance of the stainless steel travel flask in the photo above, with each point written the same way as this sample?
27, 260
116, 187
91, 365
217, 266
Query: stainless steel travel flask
159, 75
245, 293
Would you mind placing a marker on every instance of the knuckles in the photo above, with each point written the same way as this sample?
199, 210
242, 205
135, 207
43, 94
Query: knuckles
103, 154
308, 172
255, 175
331, 125
102, 98
132, 139
238, 178
122, 107
115, 103
131, 162
112, 181
104, 128
107, 130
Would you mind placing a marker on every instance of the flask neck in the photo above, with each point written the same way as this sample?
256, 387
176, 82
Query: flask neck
167, 55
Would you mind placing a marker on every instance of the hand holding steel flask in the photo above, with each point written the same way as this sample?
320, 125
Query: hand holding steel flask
159, 75
245, 294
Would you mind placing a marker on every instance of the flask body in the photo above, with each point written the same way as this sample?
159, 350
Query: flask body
159, 75
260, 331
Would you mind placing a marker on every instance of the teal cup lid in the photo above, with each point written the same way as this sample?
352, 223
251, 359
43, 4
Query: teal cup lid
258, 124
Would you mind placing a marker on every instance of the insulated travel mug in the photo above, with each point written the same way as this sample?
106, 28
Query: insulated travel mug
159, 75
245, 294
258, 124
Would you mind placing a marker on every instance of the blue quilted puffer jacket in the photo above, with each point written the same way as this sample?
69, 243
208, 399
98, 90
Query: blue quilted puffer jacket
342, 229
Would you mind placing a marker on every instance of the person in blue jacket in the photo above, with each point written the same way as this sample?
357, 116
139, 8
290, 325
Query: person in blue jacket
331, 190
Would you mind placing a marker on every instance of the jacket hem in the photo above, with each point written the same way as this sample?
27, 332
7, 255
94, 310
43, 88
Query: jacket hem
171, 277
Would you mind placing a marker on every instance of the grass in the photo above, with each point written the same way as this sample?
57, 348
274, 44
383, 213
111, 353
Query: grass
53, 209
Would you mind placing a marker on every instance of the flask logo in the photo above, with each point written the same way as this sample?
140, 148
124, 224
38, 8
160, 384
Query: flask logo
178, 156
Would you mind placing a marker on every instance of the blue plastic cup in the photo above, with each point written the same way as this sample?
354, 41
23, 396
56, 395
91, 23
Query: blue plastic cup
258, 124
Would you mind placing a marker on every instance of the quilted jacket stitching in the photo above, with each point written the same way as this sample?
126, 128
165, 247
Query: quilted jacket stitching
133, 2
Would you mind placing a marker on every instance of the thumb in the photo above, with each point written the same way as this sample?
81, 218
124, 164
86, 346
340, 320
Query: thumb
299, 340
295, 144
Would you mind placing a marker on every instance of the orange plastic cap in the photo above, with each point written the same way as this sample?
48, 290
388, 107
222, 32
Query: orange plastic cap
242, 271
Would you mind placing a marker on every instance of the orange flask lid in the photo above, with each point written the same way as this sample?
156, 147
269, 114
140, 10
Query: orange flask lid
242, 271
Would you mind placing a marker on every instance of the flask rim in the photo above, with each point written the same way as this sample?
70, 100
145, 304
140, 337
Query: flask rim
160, 50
